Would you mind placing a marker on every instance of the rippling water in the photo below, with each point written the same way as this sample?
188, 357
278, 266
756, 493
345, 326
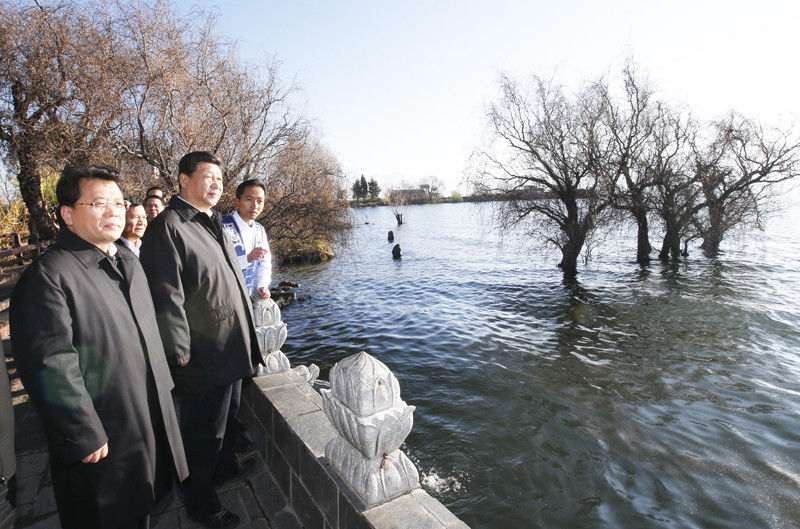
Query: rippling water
654, 397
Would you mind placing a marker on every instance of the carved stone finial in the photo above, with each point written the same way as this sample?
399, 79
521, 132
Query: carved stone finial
365, 408
271, 332
364, 384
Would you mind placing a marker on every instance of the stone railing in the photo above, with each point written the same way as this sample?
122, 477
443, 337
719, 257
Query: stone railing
336, 456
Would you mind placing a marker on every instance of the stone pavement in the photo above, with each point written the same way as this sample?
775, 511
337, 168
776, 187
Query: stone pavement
256, 499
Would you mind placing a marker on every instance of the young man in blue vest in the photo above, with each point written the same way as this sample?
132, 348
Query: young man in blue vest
249, 237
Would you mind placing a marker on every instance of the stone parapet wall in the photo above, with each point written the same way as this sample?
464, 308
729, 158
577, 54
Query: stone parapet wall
284, 416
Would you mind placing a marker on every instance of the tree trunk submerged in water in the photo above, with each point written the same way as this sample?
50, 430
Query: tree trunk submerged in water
571, 250
671, 247
643, 247
713, 236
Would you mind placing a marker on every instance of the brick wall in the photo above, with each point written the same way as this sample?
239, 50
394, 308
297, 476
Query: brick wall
283, 415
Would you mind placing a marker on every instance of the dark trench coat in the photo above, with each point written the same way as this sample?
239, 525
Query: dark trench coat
89, 354
202, 305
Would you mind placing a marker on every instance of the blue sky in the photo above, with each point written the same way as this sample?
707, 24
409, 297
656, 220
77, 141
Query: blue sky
399, 89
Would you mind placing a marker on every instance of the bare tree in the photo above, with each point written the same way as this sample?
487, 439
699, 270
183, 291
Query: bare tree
706, 187
667, 161
545, 157
630, 124
305, 203
432, 186
736, 173
57, 101
398, 198
188, 89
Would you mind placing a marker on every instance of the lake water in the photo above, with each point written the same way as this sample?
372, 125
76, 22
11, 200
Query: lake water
657, 397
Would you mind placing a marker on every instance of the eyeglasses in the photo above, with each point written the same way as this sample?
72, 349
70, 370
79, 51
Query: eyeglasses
102, 205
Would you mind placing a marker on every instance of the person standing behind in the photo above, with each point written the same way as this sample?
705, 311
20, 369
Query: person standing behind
249, 237
135, 224
153, 205
155, 191
88, 350
8, 463
206, 322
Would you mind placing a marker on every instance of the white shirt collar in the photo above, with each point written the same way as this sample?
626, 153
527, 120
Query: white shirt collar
133, 247
241, 223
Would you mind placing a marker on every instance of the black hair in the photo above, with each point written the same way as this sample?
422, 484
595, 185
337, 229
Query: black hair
152, 188
153, 196
189, 162
68, 188
241, 188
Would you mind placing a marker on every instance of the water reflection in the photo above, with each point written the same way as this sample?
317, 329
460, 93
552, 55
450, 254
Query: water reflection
648, 396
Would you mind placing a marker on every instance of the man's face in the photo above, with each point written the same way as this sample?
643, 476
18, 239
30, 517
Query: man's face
203, 187
98, 226
251, 204
135, 223
152, 207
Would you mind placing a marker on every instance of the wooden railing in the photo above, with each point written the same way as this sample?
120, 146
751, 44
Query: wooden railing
16, 252
15, 255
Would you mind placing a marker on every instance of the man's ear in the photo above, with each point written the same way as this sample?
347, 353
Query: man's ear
182, 177
66, 214
236, 202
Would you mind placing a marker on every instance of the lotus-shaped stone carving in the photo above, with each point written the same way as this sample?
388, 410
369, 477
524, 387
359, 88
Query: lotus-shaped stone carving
275, 362
364, 384
374, 480
374, 435
309, 372
265, 312
271, 337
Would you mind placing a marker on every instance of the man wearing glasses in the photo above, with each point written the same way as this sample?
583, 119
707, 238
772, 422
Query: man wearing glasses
206, 324
86, 342
153, 205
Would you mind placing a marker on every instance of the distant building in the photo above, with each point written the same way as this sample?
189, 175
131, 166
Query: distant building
422, 194
408, 196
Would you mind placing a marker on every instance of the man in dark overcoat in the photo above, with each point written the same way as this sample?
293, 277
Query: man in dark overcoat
206, 322
86, 342
8, 464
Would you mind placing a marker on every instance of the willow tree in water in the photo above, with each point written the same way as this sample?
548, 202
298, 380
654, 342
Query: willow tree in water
631, 121
736, 174
544, 158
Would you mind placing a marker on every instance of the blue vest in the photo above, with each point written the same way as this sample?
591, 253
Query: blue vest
238, 244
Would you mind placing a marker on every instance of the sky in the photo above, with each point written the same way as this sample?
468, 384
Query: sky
399, 89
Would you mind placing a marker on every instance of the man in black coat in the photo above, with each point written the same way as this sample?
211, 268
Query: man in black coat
8, 464
86, 342
206, 323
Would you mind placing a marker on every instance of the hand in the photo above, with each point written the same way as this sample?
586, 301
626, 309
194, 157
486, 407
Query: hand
257, 253
183, 363
97, 455
263, 292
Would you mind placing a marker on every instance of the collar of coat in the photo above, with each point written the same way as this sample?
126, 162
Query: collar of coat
87, 253
187, 211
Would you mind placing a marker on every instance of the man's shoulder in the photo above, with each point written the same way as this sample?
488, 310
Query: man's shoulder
168, 217
168, 223
124, 248
54, 259
52, 267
